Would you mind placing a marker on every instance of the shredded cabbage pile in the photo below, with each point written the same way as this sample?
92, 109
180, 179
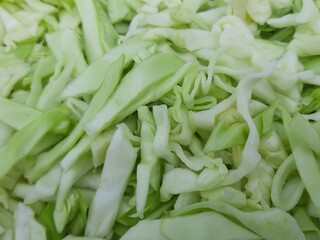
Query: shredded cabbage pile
159, 119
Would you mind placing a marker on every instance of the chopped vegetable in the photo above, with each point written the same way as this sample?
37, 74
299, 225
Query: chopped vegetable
159, 119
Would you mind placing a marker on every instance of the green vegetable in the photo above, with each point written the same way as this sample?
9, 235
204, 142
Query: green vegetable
120, 161
270, 223
200, 226
159, 119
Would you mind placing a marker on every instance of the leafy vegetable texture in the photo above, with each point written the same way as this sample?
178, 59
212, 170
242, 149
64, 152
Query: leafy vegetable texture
159, 119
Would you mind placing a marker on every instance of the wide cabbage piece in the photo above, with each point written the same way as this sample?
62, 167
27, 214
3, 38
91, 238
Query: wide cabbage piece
159, 119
